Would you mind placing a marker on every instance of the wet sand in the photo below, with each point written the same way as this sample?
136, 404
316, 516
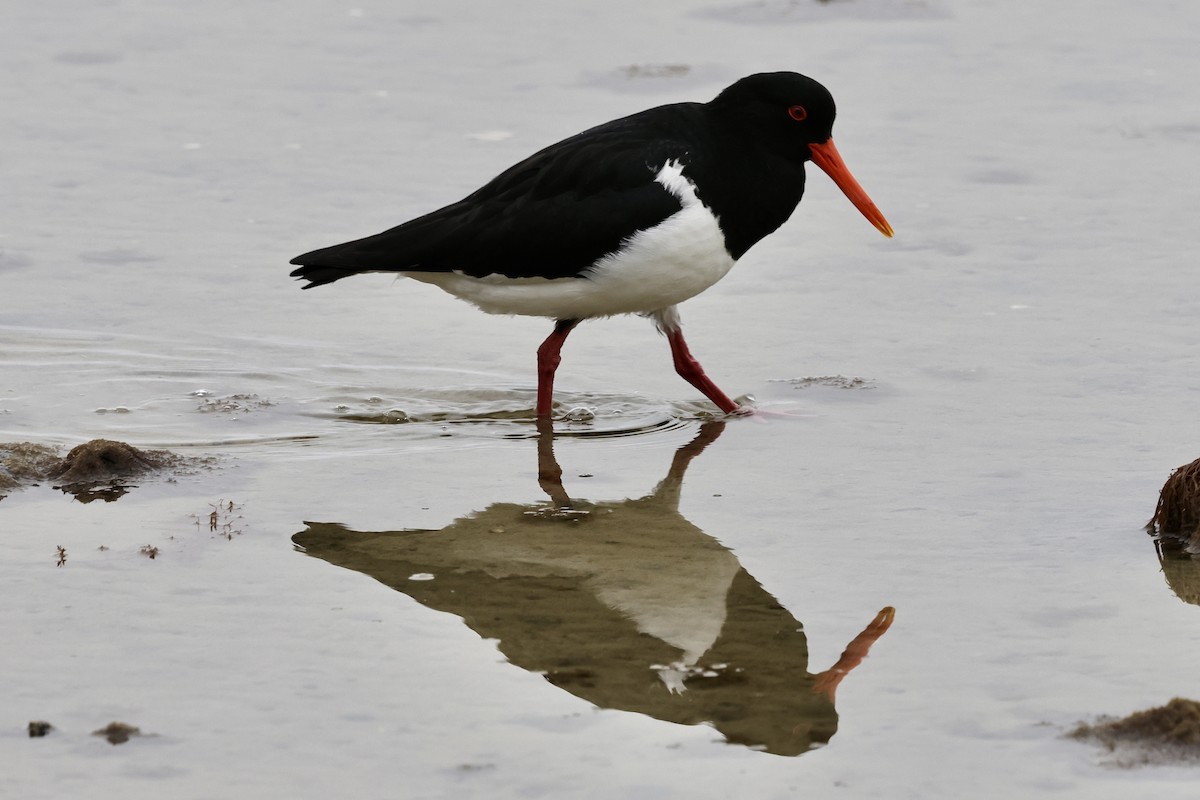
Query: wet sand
976, 417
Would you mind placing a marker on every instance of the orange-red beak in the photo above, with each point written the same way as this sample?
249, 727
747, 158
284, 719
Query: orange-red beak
828, 159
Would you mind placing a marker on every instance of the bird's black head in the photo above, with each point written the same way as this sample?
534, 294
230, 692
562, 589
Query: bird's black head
785, 107
791, 116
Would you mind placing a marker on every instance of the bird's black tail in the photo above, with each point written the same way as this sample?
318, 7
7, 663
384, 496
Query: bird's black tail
321, 274
391, 251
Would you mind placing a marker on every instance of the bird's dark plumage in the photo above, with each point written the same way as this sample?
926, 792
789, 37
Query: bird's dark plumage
558, 211
552, 216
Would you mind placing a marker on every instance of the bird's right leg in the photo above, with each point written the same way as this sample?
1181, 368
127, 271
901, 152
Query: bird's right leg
548, 361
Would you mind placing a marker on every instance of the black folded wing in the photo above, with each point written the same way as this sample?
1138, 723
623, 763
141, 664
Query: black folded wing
552, 215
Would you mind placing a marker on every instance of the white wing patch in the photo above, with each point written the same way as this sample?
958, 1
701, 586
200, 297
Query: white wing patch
653, 270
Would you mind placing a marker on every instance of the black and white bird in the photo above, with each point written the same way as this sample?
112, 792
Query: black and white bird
630, 217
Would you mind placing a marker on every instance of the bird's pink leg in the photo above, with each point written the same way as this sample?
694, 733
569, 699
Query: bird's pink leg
690, 370
548, 361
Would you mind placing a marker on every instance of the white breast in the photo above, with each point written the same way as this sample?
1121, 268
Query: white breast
655, 269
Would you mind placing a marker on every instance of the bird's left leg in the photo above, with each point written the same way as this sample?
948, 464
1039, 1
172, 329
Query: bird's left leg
690, 370
548, 360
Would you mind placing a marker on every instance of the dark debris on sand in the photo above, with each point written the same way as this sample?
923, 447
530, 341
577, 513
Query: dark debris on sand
118, 732
1167, 734
39, 728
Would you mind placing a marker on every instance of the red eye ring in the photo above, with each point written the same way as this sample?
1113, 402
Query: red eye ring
798, 113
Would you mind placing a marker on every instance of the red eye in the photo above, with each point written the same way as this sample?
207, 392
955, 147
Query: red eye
798, 113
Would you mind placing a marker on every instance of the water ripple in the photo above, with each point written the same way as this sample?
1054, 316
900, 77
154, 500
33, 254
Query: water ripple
512, 412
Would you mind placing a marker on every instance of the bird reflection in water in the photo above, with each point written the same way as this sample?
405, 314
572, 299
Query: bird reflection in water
624, 604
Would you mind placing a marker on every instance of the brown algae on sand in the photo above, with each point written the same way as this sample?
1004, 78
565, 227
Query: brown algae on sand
104, 459
100, 463
25, 462
1167, 734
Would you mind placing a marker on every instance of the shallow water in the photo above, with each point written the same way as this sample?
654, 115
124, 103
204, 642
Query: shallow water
969, 423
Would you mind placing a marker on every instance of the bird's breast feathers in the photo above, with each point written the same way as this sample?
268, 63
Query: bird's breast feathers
653, 269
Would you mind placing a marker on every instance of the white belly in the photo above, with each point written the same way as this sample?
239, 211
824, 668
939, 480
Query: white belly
654, 270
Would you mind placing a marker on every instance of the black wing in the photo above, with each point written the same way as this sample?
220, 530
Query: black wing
552, 215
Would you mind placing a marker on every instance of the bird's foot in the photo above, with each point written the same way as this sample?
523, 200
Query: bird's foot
765, 414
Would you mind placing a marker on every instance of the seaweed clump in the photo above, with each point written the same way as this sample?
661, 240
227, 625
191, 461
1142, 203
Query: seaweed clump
1178, 510
1167, 734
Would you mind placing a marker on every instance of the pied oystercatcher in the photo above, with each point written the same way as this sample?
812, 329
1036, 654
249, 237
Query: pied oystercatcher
630, 217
